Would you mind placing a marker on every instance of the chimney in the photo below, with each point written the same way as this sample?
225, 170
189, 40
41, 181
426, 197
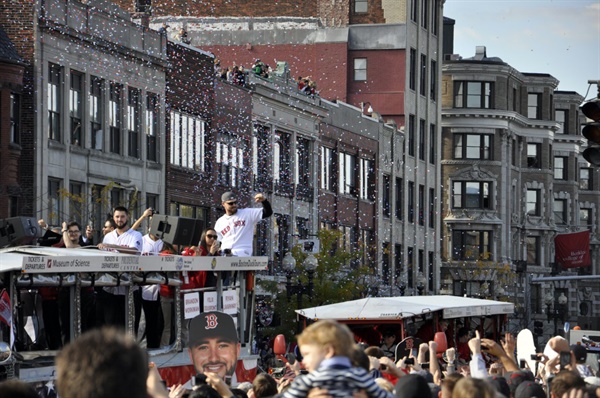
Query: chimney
480, 53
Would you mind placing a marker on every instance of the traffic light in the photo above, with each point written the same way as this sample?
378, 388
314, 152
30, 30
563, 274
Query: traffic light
591, 131
538, 328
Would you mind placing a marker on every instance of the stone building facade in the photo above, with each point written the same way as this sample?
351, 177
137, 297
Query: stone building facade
514, 178
94, 95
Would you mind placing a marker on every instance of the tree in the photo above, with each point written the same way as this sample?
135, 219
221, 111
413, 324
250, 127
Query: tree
92, 206
339, 277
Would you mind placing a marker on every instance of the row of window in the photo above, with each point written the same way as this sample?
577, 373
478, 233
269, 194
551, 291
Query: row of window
412, 74
416, 10
131, 114
481, 95
403, 272
420, 12
480, 147
469, 245
352, 179
476, 195
412, 206
422, 145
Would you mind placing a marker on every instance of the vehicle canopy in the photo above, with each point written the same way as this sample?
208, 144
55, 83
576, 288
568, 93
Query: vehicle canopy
410, 313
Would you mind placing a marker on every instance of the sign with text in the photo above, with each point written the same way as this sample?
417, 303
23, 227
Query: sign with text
573, 250
191, 305
210, 301
230, 302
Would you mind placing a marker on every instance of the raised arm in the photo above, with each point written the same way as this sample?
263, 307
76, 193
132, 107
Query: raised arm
147, 213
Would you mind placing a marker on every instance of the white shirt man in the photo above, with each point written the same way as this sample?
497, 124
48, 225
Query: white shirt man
236, 227
151, 247
121, 236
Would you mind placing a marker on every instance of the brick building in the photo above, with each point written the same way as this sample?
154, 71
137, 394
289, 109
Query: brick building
380, 55
189, 181
11, 87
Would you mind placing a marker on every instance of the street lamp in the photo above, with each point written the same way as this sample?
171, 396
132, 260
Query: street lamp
289, 265
310, 265
401, 284
421, 281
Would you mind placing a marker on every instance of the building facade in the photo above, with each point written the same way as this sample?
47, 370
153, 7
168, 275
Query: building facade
379, 55
12, 67
96, 101
512, 166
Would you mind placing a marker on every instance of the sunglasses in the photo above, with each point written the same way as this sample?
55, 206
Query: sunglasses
212, 236
231, 203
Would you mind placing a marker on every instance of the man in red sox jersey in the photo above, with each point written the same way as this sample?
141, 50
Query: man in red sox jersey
236, 227
214, 345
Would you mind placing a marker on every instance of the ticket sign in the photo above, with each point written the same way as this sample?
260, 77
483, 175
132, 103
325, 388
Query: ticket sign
210, 301
191, 305
230, 302
58, 260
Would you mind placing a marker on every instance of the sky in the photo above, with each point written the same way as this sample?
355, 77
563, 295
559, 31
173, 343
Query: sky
558, 37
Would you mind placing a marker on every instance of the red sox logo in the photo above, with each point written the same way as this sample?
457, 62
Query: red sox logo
211, 321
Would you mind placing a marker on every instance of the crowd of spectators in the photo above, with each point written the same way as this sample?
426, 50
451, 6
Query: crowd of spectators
238, 75
107, 363
307, 86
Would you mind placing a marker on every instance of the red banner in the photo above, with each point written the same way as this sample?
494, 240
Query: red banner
573, 250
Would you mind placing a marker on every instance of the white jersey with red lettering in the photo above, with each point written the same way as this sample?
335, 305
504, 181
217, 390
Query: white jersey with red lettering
130, 238
236, 232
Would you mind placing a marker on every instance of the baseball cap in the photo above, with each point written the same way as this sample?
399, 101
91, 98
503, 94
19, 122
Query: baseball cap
529, 389
211, 325
228, 196
580, 352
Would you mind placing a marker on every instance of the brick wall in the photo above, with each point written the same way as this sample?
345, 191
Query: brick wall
331, 12
373, 15
17, 20
190, 90
228, 8
324, 63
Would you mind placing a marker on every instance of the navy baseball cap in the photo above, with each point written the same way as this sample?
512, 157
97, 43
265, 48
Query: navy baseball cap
212, 325
228, 196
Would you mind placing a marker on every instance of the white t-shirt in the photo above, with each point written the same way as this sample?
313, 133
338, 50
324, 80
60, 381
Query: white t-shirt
236, 232
151, 247
130, 238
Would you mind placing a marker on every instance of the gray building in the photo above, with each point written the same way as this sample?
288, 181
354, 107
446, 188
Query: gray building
514, 178
99, 87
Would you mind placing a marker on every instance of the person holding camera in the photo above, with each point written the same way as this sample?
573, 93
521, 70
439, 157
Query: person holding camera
236, 227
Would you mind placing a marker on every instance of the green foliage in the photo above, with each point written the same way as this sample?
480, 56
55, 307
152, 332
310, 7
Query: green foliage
84, 206
338, 277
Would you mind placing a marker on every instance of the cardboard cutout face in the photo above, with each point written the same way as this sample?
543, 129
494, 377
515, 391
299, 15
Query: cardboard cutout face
214, 346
